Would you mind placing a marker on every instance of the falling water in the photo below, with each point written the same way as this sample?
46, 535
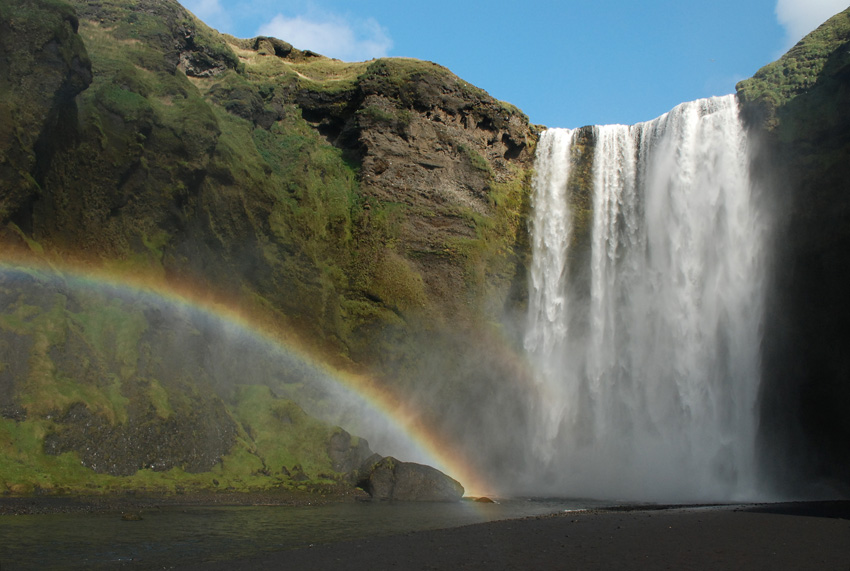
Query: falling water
648, 375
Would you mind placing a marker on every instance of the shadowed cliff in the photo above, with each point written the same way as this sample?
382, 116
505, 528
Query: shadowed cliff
798, 109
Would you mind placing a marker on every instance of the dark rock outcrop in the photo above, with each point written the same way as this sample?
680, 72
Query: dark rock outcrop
390, 479
432, 142
194, 441
43, 66
347, 453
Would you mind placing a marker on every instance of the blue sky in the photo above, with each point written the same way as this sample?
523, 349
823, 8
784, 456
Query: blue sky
565, 64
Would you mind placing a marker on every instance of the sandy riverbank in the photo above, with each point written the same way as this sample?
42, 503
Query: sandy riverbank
810, 535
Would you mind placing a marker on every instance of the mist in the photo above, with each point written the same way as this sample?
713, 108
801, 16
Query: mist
647, 359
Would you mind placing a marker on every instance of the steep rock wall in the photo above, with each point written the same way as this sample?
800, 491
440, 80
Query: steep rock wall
43, 66
345, 195
372, 213
797, 108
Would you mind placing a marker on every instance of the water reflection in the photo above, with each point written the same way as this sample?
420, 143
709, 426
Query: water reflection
170, 536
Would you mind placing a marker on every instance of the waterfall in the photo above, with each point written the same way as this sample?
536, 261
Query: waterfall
646, 351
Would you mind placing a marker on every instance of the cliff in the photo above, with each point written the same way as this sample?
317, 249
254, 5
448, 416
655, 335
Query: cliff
371, 214
797, 108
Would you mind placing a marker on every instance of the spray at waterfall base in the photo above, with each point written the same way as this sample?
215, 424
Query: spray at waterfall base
646, 304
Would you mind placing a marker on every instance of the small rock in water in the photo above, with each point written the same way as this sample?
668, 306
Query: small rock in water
131, 516
484, 500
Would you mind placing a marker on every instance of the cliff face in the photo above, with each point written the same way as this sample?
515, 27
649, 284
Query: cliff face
44, 66
247, 164
372, 211
797, 106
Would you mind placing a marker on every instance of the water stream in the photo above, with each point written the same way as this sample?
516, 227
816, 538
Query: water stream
173, 537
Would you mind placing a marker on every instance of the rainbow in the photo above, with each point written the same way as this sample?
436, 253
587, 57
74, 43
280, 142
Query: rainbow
421, 442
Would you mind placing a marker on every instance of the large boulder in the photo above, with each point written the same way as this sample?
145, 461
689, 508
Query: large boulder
390, 479
348, 453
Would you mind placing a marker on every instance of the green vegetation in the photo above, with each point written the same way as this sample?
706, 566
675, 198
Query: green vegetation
31, 79
113, 329
490, 260
799, 101
85, 385
815, 59
475, 159
581, 190
397, 283
50, 387
401, 79
234, 167
397, 120
287, 440
26, 470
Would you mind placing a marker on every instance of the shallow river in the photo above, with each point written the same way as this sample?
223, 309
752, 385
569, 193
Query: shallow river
170, 536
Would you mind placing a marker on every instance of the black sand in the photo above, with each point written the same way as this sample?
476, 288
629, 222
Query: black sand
812, 535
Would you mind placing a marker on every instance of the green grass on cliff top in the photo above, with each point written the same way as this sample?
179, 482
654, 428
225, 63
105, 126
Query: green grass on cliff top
776, 84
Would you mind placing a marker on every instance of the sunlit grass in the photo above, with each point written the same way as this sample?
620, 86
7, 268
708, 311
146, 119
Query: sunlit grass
814, 59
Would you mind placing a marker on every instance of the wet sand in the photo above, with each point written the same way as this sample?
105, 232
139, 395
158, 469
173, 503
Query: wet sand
811, 535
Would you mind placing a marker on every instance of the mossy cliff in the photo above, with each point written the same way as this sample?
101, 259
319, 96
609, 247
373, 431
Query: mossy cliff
44, 66
374, 211
798, 109
105, 392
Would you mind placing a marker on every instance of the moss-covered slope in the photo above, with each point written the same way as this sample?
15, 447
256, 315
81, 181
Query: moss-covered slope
374, 211
104, 390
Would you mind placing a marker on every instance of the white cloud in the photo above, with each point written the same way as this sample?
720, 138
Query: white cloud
331, 35
204, 9
799, 17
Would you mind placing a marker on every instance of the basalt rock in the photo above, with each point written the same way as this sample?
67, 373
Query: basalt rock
390, 479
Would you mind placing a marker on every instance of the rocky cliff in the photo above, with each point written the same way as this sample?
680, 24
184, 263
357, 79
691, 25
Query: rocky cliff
371, 212
797, 108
